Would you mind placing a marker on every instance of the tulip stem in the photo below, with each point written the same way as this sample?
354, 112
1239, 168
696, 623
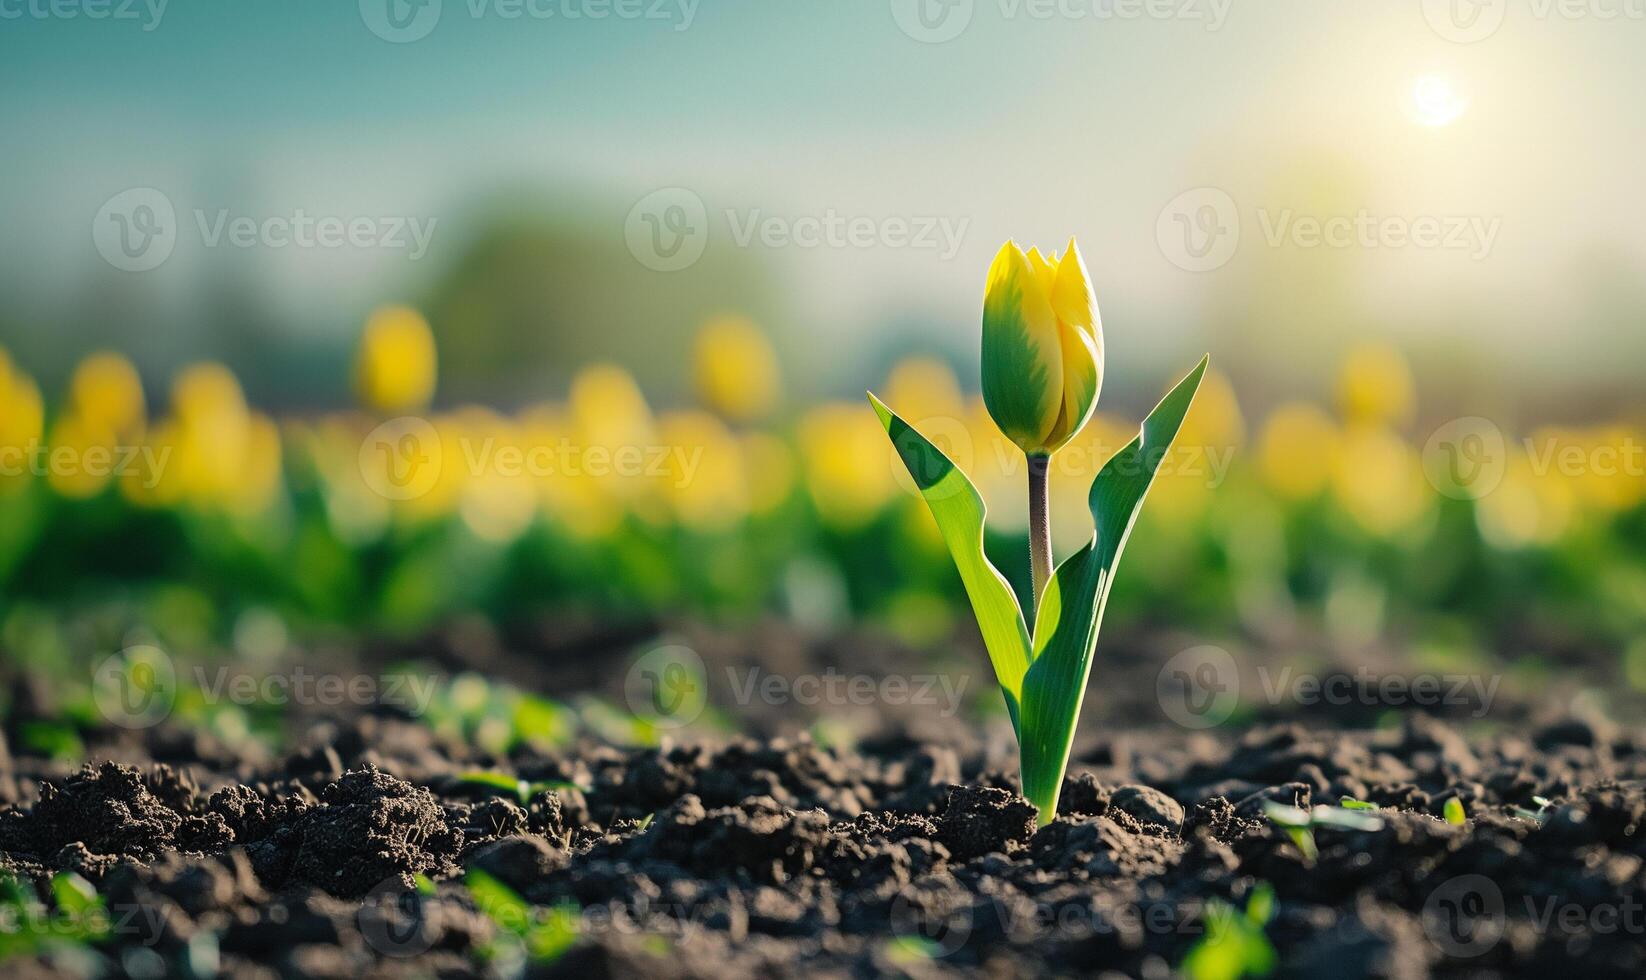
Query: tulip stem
1040, 528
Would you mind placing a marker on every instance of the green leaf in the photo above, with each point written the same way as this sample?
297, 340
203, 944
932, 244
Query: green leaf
545, 936
74, 894
517, 788
1260, 906
1304, 839
959, 512
1234, 946
1453, 811
1350, 803
1071, 610
1284, 815
498, 902
1331, 816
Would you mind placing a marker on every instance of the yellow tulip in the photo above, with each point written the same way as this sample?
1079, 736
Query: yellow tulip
1042, 347
1295, 451
397, 364
1375, 387
107, 393
735, 369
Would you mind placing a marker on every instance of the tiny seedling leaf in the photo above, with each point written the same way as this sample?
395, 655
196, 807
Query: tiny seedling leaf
1453, 811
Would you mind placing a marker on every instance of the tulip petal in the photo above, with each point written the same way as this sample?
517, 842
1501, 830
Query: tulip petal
1022, 352
1082, 381
1045, 270
1071, 292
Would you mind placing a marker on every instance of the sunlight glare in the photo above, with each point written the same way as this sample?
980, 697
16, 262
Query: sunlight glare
1436, 101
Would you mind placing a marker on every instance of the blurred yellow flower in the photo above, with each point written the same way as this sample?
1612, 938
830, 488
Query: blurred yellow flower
1378, 480
769, 463
704, 478
1375, 387
1074, 468
106, 393
397, 365
609, 409
575, 502
81, 457
997, 466
213, 428
22, 422
459, 435
736, 369
614, 435
1525, 509
1611, 477
1201, 458
157, 479
260, 482
924, 388
1295, 451
847, 463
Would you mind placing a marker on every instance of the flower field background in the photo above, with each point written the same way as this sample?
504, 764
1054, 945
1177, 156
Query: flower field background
169, 510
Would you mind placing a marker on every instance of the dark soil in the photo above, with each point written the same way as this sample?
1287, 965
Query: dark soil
901, 855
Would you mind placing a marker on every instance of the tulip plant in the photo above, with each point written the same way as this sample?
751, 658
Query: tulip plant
1042, 370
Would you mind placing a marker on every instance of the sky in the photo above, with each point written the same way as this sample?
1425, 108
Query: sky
1453, 175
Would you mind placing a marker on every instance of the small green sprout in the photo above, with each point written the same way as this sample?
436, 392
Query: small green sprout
1453, 811
1299, 824
79, 916
1350, 803
1042, 370
1540, 816
911, 950
543, 934
1235, 945
519, 789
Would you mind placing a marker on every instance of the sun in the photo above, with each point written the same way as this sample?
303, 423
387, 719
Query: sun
1436, 101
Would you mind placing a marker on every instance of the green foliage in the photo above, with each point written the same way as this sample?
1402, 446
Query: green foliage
1300, 824
76, 917
543, 934
1453, 811
1043, 677
1538, 816
521, 790
1235, 944
959, 511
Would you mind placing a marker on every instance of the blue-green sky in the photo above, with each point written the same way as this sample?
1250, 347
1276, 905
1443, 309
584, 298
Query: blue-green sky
1088, 121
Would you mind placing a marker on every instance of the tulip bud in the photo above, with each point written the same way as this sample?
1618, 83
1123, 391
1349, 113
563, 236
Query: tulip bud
1042, 347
